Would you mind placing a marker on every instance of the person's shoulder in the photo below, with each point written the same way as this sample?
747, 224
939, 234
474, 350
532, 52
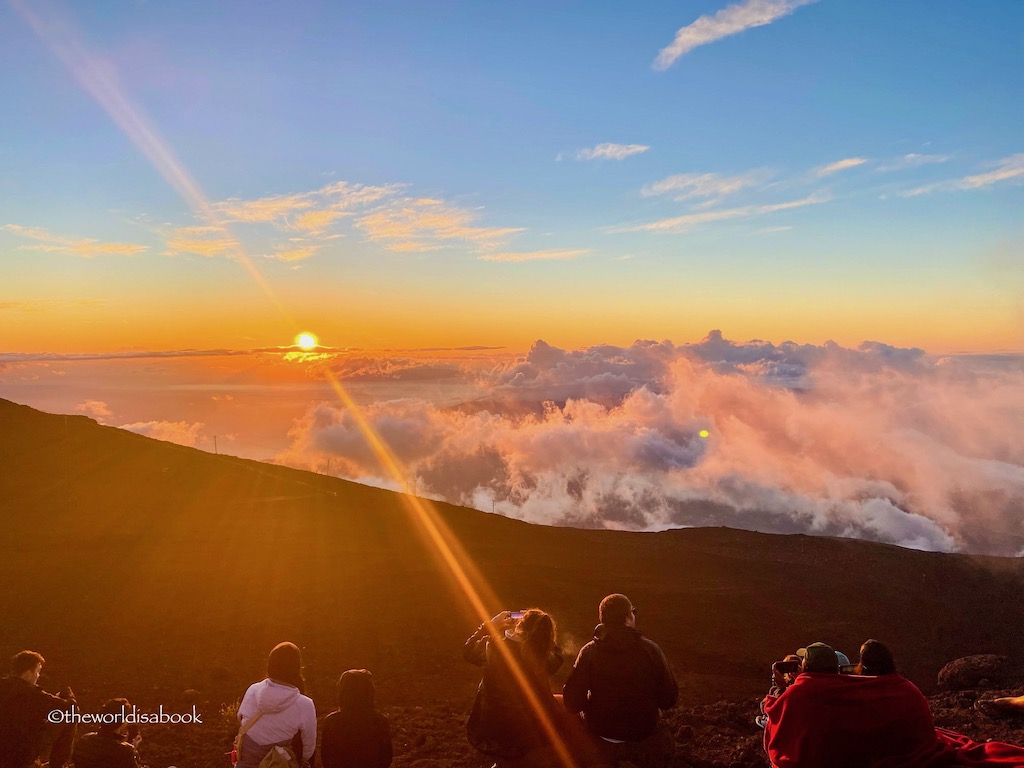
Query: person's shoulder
305, 703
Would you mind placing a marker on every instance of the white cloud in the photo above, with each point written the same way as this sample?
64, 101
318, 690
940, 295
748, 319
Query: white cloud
550, 254
839, 165
913, 160
688, 186
1009, 169
729, 21
611, 151
688, 221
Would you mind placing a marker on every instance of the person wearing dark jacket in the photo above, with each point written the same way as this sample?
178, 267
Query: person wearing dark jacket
109, 747
515, 719
24, 707
619, 682
356, 735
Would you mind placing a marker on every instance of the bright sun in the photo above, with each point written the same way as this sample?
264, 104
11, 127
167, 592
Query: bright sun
306, 341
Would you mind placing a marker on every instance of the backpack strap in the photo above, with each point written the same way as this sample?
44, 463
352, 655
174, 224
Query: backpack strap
252, 721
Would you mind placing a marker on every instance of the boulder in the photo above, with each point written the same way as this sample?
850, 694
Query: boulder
985, 670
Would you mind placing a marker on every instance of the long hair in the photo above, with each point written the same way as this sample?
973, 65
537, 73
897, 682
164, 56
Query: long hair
285, 665
538, 634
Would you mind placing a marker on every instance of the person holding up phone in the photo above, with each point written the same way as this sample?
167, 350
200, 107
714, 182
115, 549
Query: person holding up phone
514, 709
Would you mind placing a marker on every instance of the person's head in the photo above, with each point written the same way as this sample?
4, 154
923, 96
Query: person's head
355, 691
616, 610
876, 659
285, 665
818, 657
538, 634
27, 665
112, 716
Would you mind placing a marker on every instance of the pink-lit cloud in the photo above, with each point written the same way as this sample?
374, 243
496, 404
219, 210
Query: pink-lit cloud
876, 442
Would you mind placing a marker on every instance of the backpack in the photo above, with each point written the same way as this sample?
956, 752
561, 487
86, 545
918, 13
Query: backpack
279, 757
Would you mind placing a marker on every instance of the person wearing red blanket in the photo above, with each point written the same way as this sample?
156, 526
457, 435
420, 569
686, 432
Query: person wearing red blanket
828, 720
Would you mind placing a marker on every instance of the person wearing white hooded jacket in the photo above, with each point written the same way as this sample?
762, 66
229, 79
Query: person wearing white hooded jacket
275, 712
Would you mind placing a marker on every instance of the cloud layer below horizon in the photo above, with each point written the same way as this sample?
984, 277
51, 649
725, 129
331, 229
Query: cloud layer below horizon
876, 442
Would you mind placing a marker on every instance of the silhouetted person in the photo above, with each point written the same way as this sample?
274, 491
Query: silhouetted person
24, 707
111, 746
507, 722
875, 659
619, 682
356, 735
275, 711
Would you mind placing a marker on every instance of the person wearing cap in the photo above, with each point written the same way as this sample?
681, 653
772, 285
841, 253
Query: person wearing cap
823, 718
618, 684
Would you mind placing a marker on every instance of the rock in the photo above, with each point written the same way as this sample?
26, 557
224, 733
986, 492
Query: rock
985, 670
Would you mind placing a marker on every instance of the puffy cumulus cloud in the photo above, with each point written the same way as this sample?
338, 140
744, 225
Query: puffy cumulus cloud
95, 408
376, 368
875, 442
729, 21
180, 432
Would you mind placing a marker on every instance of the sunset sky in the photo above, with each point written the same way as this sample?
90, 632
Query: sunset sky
582, 263
412, 174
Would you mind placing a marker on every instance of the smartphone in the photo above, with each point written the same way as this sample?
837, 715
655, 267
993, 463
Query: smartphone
848, 669
516, 614
786, 667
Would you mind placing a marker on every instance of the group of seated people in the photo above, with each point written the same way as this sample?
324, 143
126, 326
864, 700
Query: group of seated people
821, 712
275, 716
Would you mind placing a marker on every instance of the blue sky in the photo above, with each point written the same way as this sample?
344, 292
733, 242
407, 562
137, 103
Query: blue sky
848, 170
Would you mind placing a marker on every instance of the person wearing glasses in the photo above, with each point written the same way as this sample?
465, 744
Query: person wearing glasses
618, 684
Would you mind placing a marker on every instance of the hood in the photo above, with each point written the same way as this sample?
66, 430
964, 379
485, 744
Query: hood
272, 696
616, 636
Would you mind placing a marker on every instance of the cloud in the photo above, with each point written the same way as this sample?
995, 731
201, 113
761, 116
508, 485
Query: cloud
839, 165
913, 160
1009, 169
688, 186
687, 222
550, 254
85, 248
418, 226
294, 254
180, 432
876, 442
611, 151
96, 408
731, 20
206, 241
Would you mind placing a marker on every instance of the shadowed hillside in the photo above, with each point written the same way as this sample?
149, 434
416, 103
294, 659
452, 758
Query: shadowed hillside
143, 568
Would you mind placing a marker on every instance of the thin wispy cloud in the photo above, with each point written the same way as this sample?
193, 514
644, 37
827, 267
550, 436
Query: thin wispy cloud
687, 222
912, 160
729, 21
611, 151
1009, 169
209, 242
294, 254
83, 247
420, 226
839, 165
710, 186
550, 254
